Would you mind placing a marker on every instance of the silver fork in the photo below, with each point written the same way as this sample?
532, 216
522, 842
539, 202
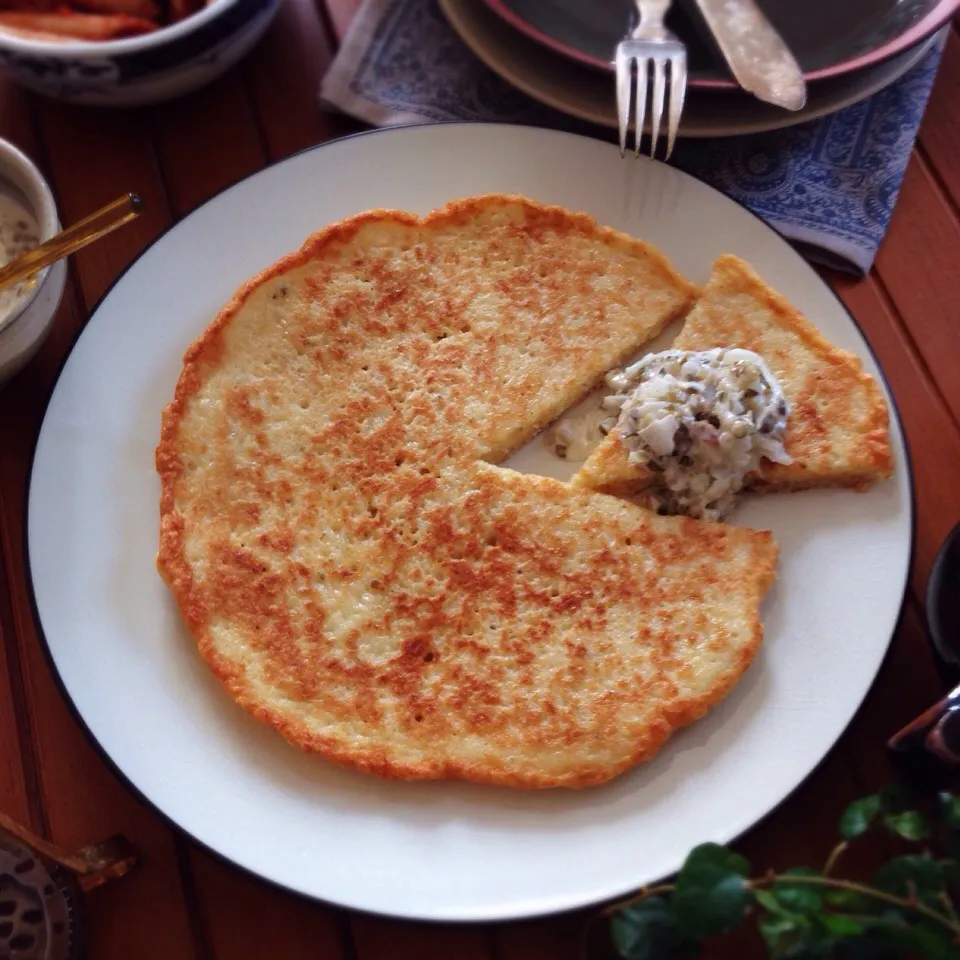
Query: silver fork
650, 47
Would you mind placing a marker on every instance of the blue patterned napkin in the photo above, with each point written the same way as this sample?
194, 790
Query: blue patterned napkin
828, 185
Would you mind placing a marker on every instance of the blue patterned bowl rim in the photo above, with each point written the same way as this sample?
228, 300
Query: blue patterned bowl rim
82, 49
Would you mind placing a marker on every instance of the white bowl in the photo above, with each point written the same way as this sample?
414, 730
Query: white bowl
145, 69
24, 328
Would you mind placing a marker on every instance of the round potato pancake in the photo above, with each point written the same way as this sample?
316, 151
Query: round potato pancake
357, 571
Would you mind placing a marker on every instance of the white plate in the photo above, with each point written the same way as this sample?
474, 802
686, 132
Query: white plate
440, 851
588, 94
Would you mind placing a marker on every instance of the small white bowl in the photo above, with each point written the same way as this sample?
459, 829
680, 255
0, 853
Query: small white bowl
150, 68
24, 328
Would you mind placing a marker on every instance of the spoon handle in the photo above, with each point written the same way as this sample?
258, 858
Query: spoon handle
927, 750
90, 228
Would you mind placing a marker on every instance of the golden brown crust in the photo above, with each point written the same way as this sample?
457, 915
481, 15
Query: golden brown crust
359, 580
837, 432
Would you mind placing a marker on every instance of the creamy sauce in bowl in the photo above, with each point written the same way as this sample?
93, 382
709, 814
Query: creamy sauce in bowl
19, 231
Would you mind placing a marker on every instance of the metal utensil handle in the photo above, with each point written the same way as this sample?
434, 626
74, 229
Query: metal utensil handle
92, 865
90, 228
652, 14
944, 739
934, 730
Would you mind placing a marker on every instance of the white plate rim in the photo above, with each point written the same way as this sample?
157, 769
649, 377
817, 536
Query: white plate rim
503, 915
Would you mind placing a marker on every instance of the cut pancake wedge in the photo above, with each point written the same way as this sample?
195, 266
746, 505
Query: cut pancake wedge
837, 429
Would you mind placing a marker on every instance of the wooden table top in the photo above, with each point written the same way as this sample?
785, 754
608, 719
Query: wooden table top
182, 903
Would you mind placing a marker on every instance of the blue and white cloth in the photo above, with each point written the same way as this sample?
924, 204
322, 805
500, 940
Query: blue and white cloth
828, 185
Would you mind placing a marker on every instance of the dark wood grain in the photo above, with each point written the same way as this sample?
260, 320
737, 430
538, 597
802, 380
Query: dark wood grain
283, 76
205, 142
553, 938
376, 939
940, 131
930, 429
184, 903
245, 918
116, 157
18, 773
341, 14
917, 266
907, 685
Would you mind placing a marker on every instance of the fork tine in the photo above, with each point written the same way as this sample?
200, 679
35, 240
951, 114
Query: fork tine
641, 102
623, 98
678, 91
659, 95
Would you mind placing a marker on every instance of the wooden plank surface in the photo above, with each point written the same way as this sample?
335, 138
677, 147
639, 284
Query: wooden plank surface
375, 939
283, 77
184, 903
18, 773
341, 14
940, 131
192, 161
931, 431
917, 267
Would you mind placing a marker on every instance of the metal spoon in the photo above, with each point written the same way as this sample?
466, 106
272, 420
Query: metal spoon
90, 228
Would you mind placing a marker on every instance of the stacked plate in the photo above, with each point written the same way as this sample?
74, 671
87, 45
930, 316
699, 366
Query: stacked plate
558, 52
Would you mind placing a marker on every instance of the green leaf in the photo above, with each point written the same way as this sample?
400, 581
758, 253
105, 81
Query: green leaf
949, 810
885, 936
782, 936
868, 947
927, 940
863, 936
908, 824
645, 931
894, 798
844, 924
771, 904
711, 893
952, 844
856, 819
850, 900
801, 898
935, 942
914, 875
951, 872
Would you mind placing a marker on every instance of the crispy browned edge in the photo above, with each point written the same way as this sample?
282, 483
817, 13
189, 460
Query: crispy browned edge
175, 571
875, 433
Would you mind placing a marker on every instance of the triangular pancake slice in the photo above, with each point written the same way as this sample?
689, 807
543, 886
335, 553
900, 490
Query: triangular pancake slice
837, 428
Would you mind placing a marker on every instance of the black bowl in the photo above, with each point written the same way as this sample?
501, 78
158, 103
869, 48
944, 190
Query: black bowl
943, 607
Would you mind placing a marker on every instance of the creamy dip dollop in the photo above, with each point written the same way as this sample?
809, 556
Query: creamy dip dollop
700, 421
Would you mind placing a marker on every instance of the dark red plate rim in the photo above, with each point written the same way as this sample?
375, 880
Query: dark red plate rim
924, 28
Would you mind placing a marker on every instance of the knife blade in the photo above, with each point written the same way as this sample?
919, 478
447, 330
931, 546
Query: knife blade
757, 55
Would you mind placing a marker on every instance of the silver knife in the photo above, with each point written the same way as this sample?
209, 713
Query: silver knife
756, 54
